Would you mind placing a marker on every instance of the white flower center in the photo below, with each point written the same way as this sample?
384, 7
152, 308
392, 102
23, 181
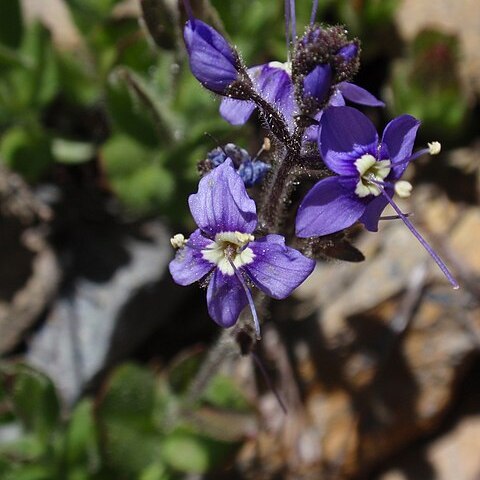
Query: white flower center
371, 170
229, 247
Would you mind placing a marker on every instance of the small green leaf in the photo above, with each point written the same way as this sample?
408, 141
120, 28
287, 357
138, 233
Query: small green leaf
71, 152
35, 400
134, 108
130, 395
222, 392
81, 436
188, 451
26, 151
155, 471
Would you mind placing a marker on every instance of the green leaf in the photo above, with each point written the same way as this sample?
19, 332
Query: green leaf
161, 19
11, 23
37, 83
71, 152
26, 151
155, 471
135, 109
188, 451
125, 415
81, 435
35, 401
222, 392
130, 395
137, 175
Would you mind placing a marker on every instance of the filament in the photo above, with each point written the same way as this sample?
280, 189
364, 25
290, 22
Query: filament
249, 298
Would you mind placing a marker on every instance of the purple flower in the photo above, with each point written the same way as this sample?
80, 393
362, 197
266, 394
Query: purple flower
350, 147
224, 251
368, 172
213, 61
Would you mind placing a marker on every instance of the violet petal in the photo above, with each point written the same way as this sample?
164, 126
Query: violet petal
189, 266
399, 137
225, 298
222, 203
330, 206
236, 112
346, 134
277, 269
356, 94
372, 213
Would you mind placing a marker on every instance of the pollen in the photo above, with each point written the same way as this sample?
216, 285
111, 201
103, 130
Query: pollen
434, 148
178, 241
403, 188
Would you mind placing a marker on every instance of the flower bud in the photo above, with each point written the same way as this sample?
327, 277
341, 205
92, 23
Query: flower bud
349, 52
213, 61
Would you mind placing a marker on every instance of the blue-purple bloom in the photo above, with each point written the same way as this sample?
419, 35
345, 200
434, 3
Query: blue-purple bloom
224, 251
213, 61
368, 174
365, 167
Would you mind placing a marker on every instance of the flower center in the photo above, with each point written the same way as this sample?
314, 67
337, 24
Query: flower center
229, 247
371, 170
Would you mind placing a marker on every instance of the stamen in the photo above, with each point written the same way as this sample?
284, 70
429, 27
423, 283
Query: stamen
264, 148
268, 381
422, 241
313, 16
188, 9
434, 148
178, 241
403, 188
249, 298
394, 217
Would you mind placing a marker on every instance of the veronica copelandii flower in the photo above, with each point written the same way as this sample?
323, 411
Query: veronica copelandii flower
368, 174
224, 251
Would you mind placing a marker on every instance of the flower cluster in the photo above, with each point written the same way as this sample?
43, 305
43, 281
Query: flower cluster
303, 105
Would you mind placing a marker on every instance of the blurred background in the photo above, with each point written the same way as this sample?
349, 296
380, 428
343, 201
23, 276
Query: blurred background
101, 129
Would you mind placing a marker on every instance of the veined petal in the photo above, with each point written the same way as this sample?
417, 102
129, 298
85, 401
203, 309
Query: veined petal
277, 269
330, 206
346, 134
212, 59
225, 298
356, 94
236, 112
399, 137
222, 203
275, 85
372, 213
189, 266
